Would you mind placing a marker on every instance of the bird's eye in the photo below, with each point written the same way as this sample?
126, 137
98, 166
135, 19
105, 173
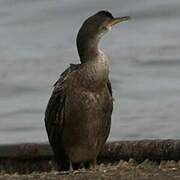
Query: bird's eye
104, 28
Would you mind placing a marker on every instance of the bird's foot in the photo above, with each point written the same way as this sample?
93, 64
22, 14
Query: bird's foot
70, 166
93, 164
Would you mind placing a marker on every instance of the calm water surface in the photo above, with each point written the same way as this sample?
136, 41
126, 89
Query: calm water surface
38, 43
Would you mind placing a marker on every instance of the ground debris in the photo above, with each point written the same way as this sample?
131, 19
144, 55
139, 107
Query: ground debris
122, 160
131, 170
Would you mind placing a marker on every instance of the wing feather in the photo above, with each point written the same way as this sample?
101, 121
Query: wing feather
54, 117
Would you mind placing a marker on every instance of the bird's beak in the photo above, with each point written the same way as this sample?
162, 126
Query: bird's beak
118, 19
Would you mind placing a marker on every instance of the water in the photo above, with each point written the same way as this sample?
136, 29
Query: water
38, 43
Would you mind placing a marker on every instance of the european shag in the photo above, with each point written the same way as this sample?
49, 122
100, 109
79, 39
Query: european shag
78, 115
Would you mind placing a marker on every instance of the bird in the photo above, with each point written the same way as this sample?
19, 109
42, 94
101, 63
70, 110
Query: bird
78, 114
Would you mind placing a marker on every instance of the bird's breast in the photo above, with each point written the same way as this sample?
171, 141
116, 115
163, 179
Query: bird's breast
92, 75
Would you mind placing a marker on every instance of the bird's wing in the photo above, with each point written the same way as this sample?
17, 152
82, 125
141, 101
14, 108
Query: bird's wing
109, 87
54, 116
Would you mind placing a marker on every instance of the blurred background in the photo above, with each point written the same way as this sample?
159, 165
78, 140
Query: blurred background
38, 41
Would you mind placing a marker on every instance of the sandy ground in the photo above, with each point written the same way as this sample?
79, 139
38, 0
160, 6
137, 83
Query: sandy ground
131, 170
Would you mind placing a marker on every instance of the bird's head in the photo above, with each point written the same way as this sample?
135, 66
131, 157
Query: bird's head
92, 30
98, 24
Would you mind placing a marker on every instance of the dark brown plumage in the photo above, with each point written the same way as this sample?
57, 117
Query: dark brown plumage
78, 115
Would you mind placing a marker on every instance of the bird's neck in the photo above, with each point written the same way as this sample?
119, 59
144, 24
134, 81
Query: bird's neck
88, 48
95, 69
